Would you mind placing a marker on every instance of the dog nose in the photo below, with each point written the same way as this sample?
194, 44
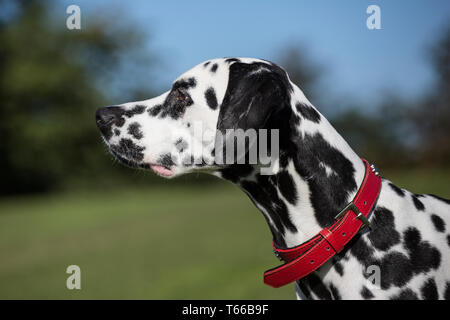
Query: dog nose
107, 116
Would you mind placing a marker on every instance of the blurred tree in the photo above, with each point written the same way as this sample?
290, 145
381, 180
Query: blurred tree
431, 116
378, 135
407, 132
51, 82
302, 70
398, 131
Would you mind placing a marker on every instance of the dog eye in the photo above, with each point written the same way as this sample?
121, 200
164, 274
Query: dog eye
181, 96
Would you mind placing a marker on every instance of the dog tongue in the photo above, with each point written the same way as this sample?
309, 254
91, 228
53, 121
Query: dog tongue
161, 170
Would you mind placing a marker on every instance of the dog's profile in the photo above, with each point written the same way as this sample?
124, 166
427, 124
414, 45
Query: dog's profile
314, 176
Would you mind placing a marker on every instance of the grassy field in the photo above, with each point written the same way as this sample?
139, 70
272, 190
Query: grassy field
169, 242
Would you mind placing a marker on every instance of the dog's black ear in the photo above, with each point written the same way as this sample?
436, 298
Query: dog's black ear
257, 96
255, 92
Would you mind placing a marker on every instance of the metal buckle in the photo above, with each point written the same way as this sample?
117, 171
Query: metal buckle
351, 206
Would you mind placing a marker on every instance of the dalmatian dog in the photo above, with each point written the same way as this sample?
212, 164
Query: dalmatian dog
315, 174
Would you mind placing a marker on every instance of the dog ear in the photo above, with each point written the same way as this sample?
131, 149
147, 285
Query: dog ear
255, 92
256, 95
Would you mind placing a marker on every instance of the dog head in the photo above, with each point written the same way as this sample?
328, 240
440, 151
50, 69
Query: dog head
177, 132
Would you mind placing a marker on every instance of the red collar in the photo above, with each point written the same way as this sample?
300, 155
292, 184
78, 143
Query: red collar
310, 255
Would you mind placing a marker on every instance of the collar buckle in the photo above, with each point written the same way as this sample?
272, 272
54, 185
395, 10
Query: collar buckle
352, 207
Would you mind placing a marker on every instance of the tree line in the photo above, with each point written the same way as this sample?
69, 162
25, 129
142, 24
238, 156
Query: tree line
52, 80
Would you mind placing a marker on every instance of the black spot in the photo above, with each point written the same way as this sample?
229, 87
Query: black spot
287, 186
137, 109
185, 83
366, 293
317, 287
188, 125
308, 112
423, 256
211, 99
448, 240
166, 160
339, 268
429, 290
397, 190
447, 291
206, 64
214, 67
438, 223
178, 99
181, 145
406, 294
284, 159
383, 235
360, 250
264, 193
107, 133
230, 60
296, 119
128, 149
154, 111
116, 132
304, 288
328, 196
419, 204
396, 269
120, 123
335, 292
134, 129
439, 198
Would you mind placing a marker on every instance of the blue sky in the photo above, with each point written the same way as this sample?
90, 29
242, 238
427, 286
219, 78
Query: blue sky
360, 62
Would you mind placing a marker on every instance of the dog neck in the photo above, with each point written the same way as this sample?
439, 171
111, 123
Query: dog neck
316, 175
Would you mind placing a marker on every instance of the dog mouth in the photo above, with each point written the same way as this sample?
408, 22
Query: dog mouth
159, 169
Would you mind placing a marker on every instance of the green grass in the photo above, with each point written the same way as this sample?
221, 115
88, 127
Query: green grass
156, 243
